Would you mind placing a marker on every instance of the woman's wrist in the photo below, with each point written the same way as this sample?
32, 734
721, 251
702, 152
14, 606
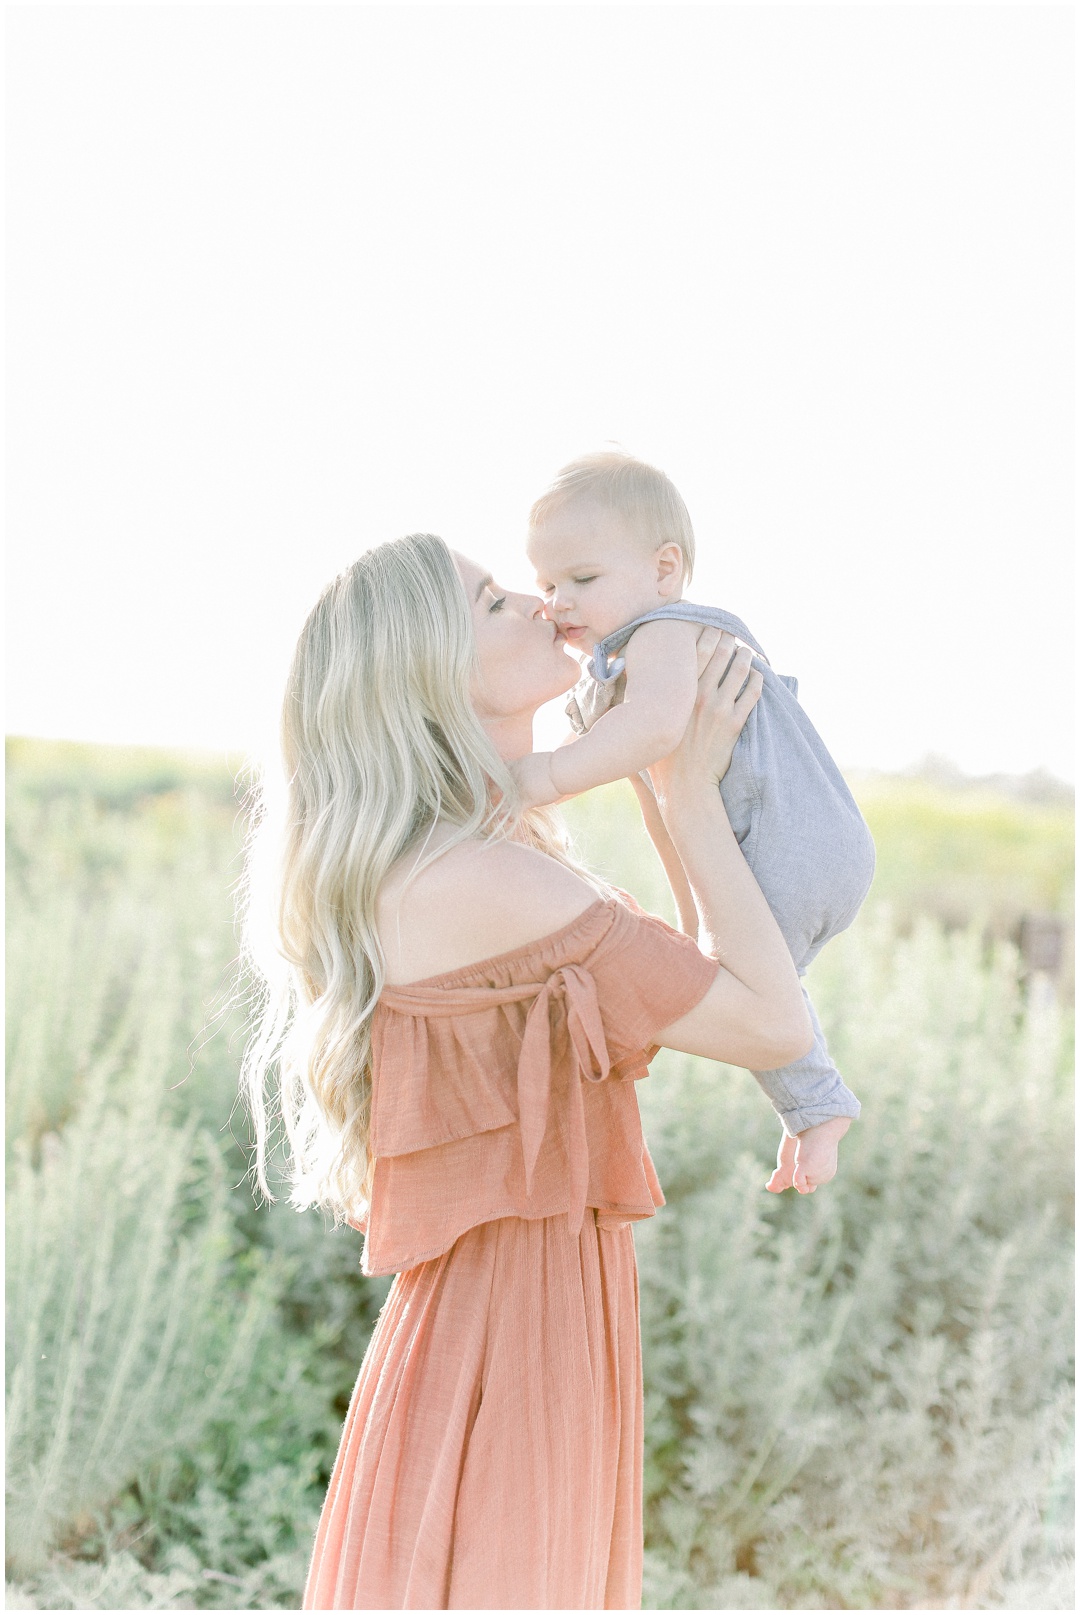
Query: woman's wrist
689, 808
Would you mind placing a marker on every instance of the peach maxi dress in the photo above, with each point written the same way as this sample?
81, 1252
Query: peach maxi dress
492, 1454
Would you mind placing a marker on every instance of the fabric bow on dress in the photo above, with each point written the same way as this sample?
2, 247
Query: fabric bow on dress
566, 999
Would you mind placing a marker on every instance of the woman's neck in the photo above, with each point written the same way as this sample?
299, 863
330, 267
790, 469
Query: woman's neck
512, 736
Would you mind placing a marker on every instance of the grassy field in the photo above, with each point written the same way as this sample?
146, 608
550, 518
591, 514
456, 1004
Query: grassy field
859, 1400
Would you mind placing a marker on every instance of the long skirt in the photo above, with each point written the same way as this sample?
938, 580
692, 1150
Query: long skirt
492, 1454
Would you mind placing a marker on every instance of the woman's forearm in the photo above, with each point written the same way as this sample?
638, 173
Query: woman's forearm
737, 926
753, 1014
665, 848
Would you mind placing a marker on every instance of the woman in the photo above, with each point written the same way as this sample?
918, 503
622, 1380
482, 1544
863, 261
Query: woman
468, 1011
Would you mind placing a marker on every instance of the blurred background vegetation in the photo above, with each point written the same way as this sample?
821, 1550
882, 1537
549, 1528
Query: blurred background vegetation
857, 1400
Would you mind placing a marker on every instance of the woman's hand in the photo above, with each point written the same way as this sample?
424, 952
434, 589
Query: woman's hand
805, 1162
728, 689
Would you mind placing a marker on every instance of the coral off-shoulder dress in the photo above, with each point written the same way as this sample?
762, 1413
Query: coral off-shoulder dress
492, 1454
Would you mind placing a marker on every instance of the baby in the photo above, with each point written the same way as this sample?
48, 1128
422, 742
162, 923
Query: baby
613, 547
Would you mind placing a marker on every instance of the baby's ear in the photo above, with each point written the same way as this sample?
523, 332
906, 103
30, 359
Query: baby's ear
669, 567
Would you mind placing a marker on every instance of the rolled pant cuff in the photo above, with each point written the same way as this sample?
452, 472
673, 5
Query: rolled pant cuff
840, 1102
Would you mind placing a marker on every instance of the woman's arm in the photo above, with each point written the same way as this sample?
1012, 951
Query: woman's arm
665, 849
753, 1015
707, 643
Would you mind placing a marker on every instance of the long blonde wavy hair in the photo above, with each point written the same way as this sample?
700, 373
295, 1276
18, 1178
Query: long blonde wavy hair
379, 740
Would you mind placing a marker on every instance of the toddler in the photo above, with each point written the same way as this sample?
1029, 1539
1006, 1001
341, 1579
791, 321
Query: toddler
613, 547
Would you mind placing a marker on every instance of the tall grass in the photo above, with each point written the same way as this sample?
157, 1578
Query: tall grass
855, 1400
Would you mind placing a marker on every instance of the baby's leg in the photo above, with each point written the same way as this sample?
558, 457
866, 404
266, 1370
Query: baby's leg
810, 1090
813, 858
800, 833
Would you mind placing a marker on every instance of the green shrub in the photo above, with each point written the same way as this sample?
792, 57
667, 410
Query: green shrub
116, 776
861, 1399
966, 853
134, 1310
128, 1334
179, 1359
857, 1399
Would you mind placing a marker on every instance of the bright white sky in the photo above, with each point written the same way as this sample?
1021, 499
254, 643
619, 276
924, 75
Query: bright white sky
285, 281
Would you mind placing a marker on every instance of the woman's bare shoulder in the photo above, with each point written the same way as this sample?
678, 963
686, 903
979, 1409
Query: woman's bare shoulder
478, 899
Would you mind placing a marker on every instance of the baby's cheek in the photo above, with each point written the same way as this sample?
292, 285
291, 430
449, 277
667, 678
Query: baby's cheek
598, 630
608, 612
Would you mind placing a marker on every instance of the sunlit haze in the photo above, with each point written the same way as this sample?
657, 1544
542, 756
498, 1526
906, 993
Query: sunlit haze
287, 281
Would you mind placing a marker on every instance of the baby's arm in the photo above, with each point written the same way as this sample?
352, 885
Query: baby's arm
661, 686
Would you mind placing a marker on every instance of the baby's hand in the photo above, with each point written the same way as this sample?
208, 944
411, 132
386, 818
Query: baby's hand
810, 1159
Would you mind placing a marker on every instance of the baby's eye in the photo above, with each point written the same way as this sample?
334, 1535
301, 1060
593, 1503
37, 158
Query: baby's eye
590, 579
545, 588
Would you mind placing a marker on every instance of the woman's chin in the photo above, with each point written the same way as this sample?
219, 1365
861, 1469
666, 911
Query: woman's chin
556, 688
573, 670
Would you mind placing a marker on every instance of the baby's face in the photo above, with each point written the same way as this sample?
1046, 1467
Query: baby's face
595, 573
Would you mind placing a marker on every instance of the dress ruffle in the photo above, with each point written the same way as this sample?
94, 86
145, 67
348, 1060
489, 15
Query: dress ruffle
507, 1088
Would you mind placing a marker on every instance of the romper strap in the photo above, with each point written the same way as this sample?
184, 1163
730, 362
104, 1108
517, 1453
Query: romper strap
606, 665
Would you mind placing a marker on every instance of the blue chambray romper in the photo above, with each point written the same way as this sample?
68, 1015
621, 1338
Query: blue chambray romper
801, 833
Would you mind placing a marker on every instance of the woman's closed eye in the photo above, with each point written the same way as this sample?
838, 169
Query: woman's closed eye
497, 602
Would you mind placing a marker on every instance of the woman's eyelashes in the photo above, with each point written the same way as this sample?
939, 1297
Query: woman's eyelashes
497, 601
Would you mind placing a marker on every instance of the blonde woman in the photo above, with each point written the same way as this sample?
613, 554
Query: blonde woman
464, 1017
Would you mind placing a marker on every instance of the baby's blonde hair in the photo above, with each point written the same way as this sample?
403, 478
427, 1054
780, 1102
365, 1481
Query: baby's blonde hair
647, 499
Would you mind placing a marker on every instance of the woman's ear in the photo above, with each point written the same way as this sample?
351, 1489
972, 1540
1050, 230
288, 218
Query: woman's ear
669, 568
